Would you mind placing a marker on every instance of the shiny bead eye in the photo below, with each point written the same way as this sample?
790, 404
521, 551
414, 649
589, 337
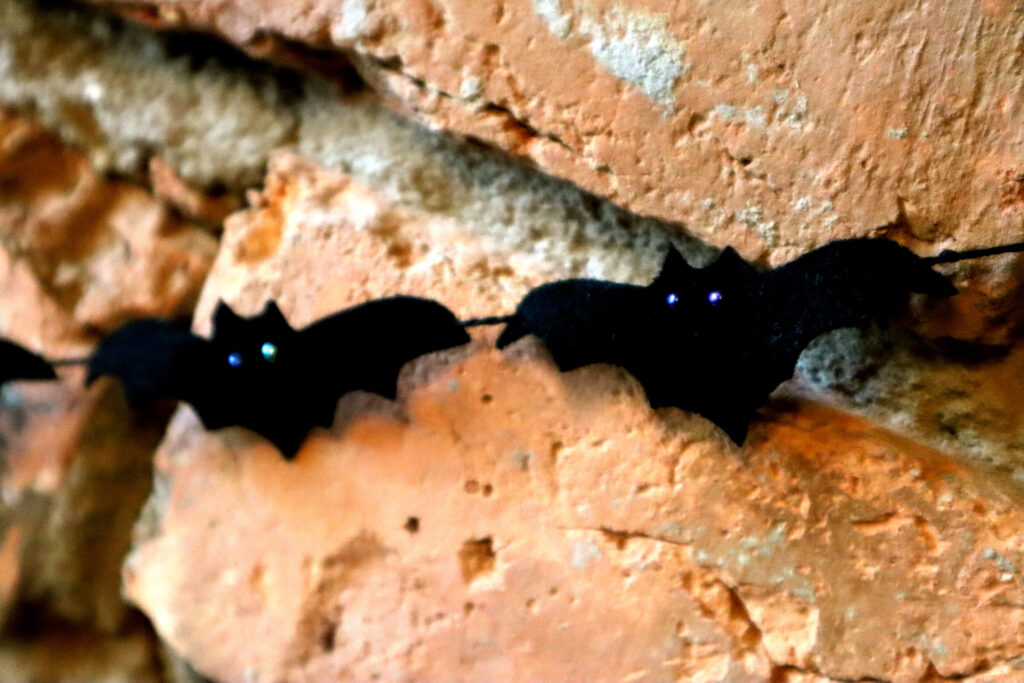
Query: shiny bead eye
235, 359
269, 352
714, 297
671, 300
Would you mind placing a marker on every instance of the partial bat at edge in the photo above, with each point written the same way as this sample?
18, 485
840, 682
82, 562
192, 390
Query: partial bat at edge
718, 340
17, 363
262, 374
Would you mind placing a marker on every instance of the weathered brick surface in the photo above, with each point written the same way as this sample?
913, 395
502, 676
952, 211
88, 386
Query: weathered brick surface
771, 127
503, 521
79, 254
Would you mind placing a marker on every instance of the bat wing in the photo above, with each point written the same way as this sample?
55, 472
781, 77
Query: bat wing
17, 362
583, 322
365, 347
153, 359
847, 283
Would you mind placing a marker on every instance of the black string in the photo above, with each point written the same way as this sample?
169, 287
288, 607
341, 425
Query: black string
68, 361
952, 256
947, 256
493, 320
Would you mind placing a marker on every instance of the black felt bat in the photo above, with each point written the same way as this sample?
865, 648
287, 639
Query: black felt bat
19, 363
718, 340
260, 373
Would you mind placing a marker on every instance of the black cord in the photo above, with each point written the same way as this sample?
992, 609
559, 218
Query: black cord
493, 320
952, 256
68, 361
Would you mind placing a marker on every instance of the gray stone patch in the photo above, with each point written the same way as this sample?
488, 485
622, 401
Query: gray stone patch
755, 117
727, 112
551, 12
797, 115
121, 94
638, 48
584, 553
521, 459
353, 19
753, 217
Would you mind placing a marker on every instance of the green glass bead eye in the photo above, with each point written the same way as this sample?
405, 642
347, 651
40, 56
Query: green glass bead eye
269, 352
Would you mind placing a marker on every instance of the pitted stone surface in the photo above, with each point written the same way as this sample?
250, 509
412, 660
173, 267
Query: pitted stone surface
79, 253
503, 521
773, 127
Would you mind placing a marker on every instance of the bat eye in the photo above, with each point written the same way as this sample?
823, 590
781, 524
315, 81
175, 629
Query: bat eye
269, 352
714, 297
235, 359
671, 300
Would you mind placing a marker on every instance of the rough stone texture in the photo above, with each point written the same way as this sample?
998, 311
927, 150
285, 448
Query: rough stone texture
169, 187
963, 399
77, 468
554, 527
78, 254
783, 124
123, 95
81, 254
504, 521
77, 472
520, 211
74, 658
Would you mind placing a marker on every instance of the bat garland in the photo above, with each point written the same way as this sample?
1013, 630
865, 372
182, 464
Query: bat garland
715, 340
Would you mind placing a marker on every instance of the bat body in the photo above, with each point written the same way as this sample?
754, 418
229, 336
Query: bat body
718, 340
262, 374
19, 363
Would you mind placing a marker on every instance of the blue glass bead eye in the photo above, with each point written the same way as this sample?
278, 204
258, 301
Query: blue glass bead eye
671, 300
714, 297
269, 352
235, 359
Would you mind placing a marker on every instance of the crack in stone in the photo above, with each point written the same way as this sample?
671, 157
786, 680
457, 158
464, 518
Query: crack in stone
528, 128
625, 535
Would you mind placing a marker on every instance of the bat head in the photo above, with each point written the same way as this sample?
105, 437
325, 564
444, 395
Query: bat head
704, 295
252, 349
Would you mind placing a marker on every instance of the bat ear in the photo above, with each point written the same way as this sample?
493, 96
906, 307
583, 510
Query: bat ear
272, 319
730, 262
674, 265
273, 314
224, 318
730, 255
